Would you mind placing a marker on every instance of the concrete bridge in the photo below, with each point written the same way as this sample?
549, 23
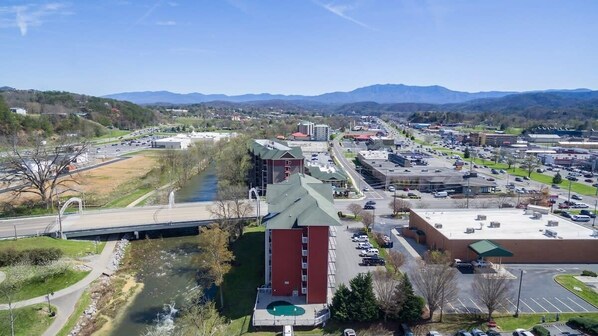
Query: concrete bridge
100, 222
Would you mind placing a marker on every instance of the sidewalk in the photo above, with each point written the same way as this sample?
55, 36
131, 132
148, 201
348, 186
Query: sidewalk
66, 299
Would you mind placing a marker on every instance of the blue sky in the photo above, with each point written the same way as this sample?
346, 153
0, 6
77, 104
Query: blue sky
297, 46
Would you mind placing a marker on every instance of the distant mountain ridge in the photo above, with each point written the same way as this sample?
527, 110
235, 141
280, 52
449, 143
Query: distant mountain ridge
379, 93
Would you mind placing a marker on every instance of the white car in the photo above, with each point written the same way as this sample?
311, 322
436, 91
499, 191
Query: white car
349, 332
580, 206
362, 238
364, 246
370, 252
481, 263
522, 332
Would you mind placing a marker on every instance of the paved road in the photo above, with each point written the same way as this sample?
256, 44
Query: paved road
95, 219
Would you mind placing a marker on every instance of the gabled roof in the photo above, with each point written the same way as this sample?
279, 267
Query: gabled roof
488, 248
326, 175
269, 149
300, 201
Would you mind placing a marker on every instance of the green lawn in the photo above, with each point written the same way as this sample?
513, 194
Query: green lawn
30, 321
241, 283
349, 155
113, 134
40, 286
70, 248
82, 304
568, 281
127, 199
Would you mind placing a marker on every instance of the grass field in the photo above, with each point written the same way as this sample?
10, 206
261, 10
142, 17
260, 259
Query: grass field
82, 304
588, 294
127, 199
70, 248
241, 283
40, 286
30, 321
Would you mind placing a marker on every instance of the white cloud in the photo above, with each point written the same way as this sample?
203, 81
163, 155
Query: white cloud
341, 10
166, 23
29, 15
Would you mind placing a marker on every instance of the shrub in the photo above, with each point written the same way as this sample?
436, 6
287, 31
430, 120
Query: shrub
584, 323
37, 256
589, 273
540, 331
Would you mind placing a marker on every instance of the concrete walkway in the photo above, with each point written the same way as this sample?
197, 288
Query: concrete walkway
66, 299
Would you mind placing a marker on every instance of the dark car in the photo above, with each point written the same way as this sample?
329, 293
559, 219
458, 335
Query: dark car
587, 213
572, 178
566, 214
576, 197
370, 203
518, 179
369, 207
373, 261
589, 180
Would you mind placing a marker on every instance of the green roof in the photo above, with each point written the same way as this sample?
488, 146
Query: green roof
488, 248
300, 201
270, 149
326, 175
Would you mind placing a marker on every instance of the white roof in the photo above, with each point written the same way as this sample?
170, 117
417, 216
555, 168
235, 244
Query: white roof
514, 224
374, 155
548, 136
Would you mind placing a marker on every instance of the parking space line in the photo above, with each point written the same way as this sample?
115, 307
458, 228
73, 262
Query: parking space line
514, 305
453, 308
564, 304
546, 310
466, 309
550, 303
475, 304
580, 306
530, 308
504, 308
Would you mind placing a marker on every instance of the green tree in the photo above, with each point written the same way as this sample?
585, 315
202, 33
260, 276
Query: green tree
410, 306
363, 305
340, 304
215, 256
557, 179
466, 153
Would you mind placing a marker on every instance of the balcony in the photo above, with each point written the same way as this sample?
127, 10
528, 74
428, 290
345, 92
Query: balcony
304, 278
304, 253
304, 290
304, 240
304, 265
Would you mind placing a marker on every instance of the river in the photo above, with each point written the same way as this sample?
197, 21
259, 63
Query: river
167, 270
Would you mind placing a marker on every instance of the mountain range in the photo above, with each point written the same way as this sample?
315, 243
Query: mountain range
379, 93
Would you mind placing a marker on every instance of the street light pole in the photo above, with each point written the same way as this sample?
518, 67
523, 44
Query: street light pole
569, 196
595, 205
519, 293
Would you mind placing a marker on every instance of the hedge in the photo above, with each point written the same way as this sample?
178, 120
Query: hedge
584, 323
36, 256
540, 331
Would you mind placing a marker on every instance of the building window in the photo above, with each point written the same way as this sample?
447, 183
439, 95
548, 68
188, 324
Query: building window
288, 162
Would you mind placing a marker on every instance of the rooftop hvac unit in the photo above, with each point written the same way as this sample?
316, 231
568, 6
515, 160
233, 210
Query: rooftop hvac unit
481, 217
438, 226
537, 215
494, 224
552, 223
550, 233
470, 230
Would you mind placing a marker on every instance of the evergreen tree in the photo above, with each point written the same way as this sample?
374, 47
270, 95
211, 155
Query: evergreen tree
340, 304
362, 305
466, 153
412, 305
557, 179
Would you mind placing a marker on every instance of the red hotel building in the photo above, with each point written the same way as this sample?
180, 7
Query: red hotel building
272, 162
300, 239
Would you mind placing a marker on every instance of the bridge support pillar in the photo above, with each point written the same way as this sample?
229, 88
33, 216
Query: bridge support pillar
136, 233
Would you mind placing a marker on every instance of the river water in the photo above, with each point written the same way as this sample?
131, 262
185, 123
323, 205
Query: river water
166, 266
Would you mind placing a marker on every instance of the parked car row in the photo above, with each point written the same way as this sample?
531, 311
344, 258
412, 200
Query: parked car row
370, 255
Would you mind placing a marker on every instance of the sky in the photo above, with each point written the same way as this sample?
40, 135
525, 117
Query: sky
304, 47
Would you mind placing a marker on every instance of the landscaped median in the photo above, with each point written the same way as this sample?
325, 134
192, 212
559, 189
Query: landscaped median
578, 288
29, 321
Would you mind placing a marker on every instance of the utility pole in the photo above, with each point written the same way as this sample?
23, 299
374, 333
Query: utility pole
59, 214
595, 205
519, 293
569, 196
394, 202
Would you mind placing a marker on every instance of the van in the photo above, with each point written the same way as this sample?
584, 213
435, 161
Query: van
580, 218
441, 194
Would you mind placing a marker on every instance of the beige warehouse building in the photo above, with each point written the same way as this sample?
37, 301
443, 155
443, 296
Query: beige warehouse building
531, 237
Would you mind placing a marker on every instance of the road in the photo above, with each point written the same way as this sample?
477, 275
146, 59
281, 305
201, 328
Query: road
96, 219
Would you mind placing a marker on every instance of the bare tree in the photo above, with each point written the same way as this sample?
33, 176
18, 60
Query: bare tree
511, 160
399, 205
41, 167
16, 277
529, 163
395, 260
202, 319
367, 218
354, 208
460, 203
493, 290
437, 283
384, 283
231, 207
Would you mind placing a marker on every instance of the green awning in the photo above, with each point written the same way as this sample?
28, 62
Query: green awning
488, 248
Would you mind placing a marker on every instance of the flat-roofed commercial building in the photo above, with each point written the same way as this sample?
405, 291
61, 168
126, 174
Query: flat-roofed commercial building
492, 139
531, 236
